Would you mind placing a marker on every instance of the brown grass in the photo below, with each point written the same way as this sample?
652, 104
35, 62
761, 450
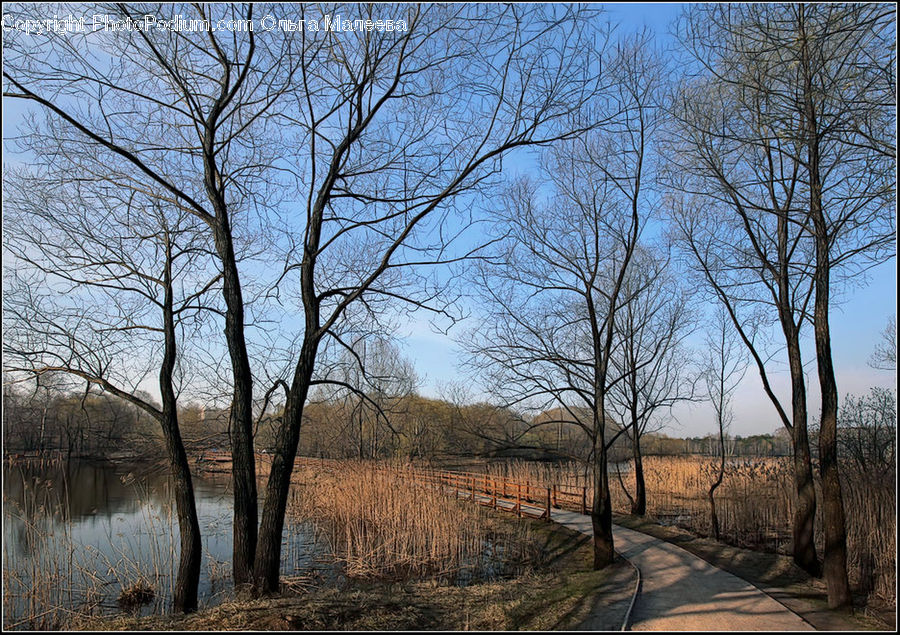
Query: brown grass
381, 524
755, 505
561, 595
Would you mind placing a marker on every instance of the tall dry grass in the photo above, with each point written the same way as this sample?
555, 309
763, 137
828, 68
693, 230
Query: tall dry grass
755, 505
383, 524
870, 506
57, 579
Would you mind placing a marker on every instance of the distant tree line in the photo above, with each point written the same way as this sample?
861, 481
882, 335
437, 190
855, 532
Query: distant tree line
98, 426
754, 445
75, 424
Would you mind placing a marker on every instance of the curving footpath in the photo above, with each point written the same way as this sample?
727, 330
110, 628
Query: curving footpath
681, 592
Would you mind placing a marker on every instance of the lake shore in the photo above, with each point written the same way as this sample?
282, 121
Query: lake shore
561, 595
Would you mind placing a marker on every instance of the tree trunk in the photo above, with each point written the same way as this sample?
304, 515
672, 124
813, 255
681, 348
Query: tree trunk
268, 549
805, 514
243, 462
713, 517
41, 444
187, 579
835, 569
601, 507
601, 517
639, 504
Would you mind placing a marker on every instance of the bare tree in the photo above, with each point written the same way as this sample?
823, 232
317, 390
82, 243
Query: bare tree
394, 129
851, 198
544, 326
734, 214
884, 357
725, 368
868, 433
651, 365
380, 381
180, 112
801, 96
557, 280
106, 284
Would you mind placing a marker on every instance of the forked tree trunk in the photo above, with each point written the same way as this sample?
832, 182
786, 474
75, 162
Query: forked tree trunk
268, 548
835, 569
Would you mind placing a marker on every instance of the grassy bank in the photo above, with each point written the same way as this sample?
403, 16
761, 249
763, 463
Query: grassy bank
562, 593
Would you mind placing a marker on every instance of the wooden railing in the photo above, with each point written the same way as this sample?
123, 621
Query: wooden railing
522, 497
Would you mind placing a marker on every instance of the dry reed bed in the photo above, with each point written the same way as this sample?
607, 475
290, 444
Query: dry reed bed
61, 579
755, 505
380, 524
55, 577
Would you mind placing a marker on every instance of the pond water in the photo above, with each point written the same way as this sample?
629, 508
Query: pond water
75, 535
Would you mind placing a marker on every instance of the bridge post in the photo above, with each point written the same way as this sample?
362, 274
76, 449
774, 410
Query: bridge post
519, 500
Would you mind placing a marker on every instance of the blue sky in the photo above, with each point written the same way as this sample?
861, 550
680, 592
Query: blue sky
857, 322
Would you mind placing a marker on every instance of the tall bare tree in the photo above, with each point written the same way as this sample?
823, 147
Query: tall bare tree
106, 284
556, 282
181, 113
651, 366
841, 60
395, 130
725, 367
794, 126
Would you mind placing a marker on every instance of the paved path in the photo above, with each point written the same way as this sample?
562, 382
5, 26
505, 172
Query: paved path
681, 592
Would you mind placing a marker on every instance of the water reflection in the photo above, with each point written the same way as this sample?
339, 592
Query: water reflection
77, 534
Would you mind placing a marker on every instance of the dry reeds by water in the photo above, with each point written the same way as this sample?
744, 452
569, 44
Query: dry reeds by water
755, 505
382, 525
54, 577
84, 540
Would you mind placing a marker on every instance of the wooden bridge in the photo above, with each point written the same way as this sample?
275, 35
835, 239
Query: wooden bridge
523, 498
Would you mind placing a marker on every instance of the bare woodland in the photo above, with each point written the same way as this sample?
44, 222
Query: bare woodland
245, 219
